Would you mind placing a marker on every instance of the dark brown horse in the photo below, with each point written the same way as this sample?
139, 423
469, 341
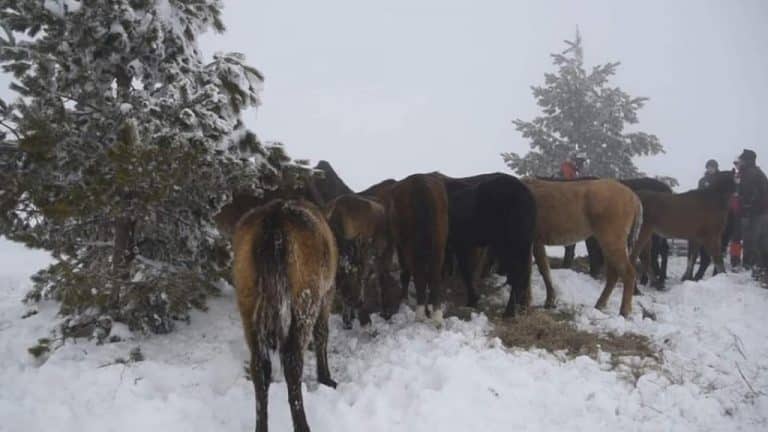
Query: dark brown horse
284, 267
328, 185
495, 211
697, 215
569, 212
365, 256
417, 210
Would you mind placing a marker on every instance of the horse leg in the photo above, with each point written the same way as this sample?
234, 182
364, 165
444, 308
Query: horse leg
261, 376
641, 249
465, 261
405, 275
626, 270
420, 280
610, 281
436, 290
595, 257
712, 246
542, 262
320, 337
646, 256
292, 358
570, 254
706, 260
664, 253
519, 280
655, 255
618, 265
693, 253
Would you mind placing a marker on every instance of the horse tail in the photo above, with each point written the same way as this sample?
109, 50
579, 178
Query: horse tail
271, 319
424, 224
637, 223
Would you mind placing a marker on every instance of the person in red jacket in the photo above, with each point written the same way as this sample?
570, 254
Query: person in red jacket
571, 169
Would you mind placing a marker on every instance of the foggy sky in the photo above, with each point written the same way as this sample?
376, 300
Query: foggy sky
385, 89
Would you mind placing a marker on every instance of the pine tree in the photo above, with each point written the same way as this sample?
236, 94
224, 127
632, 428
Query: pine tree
121, 147
583, 113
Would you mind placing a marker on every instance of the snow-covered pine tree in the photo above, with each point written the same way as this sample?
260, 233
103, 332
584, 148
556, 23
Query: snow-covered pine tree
583, 113
122, 145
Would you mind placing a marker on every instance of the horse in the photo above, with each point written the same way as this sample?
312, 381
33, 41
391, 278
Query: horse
379, 190
417, 210
496, 211
569, 212
659, 245
328, 185
360, 227
698, 215
284, 268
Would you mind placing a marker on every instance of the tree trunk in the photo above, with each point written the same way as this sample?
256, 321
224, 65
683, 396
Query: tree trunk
123, 254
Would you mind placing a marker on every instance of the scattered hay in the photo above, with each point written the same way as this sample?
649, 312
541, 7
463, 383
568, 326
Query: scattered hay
631, 355
555, 332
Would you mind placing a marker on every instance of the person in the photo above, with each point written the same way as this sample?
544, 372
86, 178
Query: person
753, 191
571, 169
710, 169
734, 207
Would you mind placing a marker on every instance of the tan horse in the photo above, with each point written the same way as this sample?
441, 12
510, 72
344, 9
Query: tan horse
365, 256
569, 212
284, 268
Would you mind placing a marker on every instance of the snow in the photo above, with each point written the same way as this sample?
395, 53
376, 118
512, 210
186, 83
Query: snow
403, 375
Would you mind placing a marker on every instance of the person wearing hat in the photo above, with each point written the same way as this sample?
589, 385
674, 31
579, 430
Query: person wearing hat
711, 168
571, 170
753, 193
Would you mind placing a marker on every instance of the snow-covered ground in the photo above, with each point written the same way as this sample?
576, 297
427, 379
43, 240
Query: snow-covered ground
406, 376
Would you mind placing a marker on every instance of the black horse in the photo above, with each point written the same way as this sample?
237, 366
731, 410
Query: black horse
659, 245
495, 211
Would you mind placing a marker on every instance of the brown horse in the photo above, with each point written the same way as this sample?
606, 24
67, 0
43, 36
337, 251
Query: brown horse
569, 212
698, 215
417, 209
365, 256
284, 267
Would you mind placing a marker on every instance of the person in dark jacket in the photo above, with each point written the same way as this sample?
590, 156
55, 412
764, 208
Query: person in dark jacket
711, 168
753, 191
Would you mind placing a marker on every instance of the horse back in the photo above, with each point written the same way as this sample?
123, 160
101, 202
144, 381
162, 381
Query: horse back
285, 260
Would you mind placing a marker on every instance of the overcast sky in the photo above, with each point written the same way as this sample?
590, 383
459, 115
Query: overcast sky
385, 89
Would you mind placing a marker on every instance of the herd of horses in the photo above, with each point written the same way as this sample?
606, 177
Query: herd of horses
294, 248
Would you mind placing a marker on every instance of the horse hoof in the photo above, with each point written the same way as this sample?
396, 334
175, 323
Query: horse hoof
549, 305
437, 317
328, 382
421, 313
